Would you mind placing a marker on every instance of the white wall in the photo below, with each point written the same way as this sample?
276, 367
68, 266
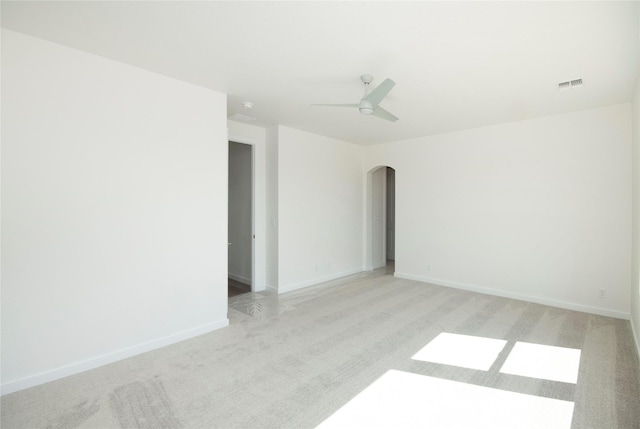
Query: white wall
271, 208
240, 212
537, 209
378, 237
320, 203
635, 273
114, 220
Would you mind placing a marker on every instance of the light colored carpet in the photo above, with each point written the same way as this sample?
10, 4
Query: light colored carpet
291, 361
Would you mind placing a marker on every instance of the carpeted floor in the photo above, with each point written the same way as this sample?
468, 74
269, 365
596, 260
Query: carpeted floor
291, 361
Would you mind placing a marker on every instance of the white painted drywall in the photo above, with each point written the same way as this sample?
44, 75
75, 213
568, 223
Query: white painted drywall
271, 206
320, 196
114, 212
635, 271
378, 206
240, 212
538, 209
256, 137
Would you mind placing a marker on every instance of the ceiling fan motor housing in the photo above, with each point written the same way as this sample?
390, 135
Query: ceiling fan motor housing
366, 108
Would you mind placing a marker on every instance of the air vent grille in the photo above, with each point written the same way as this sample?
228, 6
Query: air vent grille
570, 84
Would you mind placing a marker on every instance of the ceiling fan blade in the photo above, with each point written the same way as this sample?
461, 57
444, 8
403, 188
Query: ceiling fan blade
380, 92
384, 114
338, 105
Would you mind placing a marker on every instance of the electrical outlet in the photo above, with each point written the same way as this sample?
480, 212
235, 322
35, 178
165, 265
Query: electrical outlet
602, 294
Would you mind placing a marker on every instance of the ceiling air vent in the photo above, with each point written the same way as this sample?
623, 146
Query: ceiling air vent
570, 84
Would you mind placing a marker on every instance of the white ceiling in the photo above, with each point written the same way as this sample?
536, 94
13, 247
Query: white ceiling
457, 65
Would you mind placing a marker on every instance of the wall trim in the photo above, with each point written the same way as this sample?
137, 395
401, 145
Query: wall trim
318, 280
518, 296
272, 288
237, 138
636, 339
240, 279
86, 365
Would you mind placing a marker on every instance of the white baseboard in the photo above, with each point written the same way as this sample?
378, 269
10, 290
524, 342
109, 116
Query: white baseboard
318, 280
272, 288
521, 297
86, 365
239, 278
259, 288
635, 330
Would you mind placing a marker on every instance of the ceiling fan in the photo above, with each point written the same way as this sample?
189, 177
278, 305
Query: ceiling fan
369, 104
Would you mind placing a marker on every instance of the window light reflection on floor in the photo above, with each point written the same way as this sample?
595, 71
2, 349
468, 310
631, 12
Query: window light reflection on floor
544, 362
405, 400
461, 350
401, 399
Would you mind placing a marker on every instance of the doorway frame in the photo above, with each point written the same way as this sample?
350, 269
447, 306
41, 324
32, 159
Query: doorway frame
258, 211
369, 213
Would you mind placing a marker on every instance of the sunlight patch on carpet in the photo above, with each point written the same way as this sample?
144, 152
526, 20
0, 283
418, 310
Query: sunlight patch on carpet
404, 400
465, 351
544, 362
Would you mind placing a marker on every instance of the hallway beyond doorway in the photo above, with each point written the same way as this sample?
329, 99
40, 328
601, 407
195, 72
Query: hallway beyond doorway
236, 288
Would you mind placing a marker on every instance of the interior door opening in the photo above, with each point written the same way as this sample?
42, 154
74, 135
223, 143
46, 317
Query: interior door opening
390, 223
381, 229
240, 219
